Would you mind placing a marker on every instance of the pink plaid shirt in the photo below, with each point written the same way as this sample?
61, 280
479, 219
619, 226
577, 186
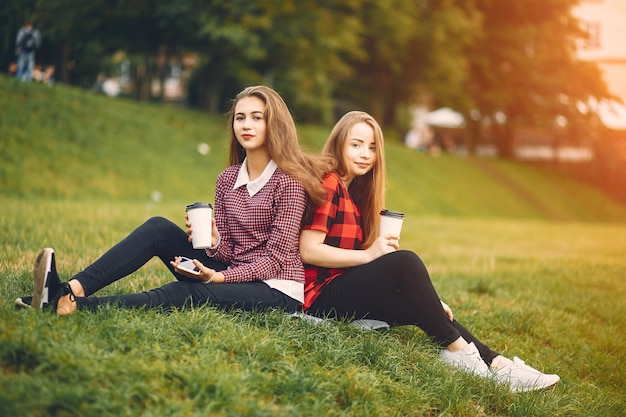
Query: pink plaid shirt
259, 234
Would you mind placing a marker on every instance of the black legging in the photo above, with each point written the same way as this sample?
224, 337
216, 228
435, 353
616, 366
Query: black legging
395, 288
164, 239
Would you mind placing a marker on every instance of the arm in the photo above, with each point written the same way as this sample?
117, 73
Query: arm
338, 216
314, 251
208, 275
222, 252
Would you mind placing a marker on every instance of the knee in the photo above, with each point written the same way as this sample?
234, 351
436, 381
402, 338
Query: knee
158, 223
409, 262
406, 257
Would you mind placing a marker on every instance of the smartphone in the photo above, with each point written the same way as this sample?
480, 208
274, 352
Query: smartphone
187, 265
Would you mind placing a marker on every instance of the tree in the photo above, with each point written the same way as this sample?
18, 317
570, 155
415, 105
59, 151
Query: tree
523, 68
152, 32
309, 48
229, 41
72, 31
411, 47
299, 47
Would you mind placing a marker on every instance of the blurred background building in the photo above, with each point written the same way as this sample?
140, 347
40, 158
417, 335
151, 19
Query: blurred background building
605, 23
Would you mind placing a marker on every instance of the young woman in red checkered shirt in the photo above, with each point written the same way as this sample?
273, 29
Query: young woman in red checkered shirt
352, 272
253, 262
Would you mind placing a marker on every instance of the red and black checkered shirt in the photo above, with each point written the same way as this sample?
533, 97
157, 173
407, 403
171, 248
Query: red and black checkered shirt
259, 234
340, 219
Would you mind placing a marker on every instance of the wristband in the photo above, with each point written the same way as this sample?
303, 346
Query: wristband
211, 279
212, 250
219, 240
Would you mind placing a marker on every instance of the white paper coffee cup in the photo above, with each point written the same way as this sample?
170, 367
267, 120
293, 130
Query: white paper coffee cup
390, 223
200, 215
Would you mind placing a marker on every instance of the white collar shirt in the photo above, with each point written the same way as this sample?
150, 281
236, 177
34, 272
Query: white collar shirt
254, 186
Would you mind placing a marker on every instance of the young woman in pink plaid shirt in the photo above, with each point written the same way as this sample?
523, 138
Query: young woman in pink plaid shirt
253, 263
352, 272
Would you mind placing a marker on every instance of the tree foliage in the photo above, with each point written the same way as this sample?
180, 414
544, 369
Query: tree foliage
523, 68
411, 47
510, 58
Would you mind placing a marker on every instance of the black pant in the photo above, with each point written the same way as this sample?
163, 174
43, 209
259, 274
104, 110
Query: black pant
160, 237
395, 288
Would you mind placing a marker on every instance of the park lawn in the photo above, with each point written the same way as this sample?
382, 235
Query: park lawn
533, 263
551, 293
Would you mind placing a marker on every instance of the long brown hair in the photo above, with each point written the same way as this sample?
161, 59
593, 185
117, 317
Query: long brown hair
282, 142
367, 191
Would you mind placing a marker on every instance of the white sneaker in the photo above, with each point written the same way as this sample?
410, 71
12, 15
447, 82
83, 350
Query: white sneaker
468, 360
523, 378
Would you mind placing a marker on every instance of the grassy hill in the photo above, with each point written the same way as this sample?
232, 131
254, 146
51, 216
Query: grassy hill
531, 262
68, 143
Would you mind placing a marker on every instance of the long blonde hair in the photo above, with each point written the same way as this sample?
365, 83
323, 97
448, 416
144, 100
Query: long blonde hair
367, 191
282, 142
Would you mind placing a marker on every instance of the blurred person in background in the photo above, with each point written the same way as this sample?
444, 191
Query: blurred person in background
27, 42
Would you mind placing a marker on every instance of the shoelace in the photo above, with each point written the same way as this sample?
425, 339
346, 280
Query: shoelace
67, 290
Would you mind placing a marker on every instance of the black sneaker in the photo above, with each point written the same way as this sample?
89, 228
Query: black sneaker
47, 283
23, 302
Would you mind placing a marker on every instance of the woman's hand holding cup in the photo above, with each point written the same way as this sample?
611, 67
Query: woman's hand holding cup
382, 246
391, 224
200, 215
392, 240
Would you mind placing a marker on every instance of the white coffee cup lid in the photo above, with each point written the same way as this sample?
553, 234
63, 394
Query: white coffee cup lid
198, 204
390, 213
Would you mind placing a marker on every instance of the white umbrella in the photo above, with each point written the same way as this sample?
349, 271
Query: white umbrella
445, 117
613, 115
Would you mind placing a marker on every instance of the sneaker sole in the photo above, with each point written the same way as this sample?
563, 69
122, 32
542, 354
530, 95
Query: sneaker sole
537, 387
42, 267
20, 304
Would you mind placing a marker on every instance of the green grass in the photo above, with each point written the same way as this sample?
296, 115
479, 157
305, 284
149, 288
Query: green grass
532, 263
